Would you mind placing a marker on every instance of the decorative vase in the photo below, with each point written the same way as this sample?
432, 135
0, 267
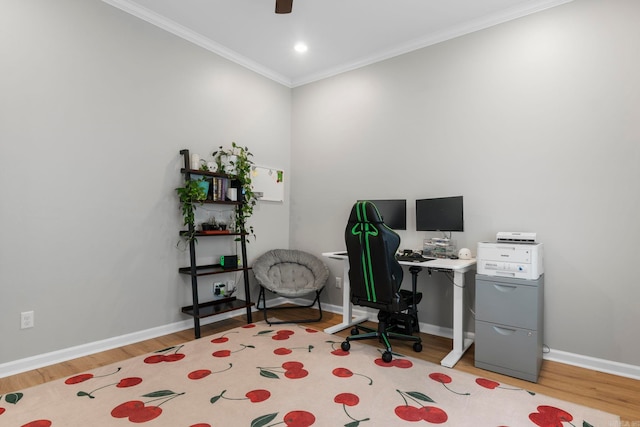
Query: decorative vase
205, 187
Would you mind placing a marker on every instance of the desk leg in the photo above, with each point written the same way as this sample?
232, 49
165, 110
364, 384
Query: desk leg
460, 344
347, 314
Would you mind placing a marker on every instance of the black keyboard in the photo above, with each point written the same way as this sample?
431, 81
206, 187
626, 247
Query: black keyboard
413, 258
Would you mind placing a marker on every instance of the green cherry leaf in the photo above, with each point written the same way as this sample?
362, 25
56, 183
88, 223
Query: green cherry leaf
264, 332
268, 374
263, 420
13, 398
214, 399
420, 396
84, 393
159, 393
352, 424
586, 424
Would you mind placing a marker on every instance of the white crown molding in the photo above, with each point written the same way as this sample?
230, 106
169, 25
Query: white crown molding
435, 38
438, 37
197, 39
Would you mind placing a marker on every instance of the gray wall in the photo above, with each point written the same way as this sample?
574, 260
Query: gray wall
534, 121
95, 106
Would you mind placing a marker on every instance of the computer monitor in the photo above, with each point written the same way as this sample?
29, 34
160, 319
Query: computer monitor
393, 212
440, 214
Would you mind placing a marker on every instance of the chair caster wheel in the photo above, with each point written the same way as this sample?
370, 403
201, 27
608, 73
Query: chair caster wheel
345, 346
355, 331
387, 356
417, 347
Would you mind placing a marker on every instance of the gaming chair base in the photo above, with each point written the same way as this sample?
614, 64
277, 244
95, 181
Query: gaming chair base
386, 331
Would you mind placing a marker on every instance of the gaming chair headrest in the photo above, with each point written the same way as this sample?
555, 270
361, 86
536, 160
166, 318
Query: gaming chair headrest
365, 212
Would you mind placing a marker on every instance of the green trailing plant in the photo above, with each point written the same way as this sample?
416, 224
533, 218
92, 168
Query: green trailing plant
237, 163
191, 194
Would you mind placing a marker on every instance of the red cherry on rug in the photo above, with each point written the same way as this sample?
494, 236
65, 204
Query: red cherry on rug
402, 363
487, 383
78, 378
282, 351
145, 414
125, 409
220, 340
382, 363
156, 358
200, 425
299, 419
342, 372
295, 374
340, 352
199, 374
38, 423
129, 382
221, 353
174, 357
441, 378
249, 326
408, 413
258, 395
433, 415
2, 411
550, 416
311, 331
292, 365
348, 399
282, 335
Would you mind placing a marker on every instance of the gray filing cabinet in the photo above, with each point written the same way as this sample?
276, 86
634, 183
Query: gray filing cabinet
509, 322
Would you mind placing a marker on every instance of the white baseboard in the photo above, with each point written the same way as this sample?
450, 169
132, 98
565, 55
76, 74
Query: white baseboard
595, 364
588, 362
46, 359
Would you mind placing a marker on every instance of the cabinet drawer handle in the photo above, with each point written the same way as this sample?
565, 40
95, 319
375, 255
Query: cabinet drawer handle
504, 331
505, 288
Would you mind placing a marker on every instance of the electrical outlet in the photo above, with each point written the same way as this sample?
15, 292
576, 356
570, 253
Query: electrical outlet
338, 282
27, 319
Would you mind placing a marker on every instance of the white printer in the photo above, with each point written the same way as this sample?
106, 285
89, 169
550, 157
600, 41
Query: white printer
514, 254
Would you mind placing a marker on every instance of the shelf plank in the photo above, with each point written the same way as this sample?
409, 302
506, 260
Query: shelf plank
207, 270
220, 306
199, 233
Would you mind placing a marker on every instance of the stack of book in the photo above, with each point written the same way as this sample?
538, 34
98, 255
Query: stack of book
219, 189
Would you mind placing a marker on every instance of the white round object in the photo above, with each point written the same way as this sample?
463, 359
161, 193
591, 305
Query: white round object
464, 253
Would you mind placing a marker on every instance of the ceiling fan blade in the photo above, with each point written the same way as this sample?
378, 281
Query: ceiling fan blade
284, 6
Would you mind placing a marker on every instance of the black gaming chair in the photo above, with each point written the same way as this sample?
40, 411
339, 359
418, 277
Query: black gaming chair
376, 276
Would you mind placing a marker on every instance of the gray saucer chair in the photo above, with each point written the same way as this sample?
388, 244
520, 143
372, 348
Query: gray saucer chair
290, 273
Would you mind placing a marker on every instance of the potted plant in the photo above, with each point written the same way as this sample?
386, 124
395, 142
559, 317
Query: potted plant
237, 163
193, 192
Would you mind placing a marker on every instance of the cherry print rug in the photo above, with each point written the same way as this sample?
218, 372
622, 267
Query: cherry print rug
286, 376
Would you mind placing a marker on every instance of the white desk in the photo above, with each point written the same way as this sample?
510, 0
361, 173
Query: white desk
457, 266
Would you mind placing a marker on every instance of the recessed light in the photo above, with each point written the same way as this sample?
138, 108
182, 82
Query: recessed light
300, 47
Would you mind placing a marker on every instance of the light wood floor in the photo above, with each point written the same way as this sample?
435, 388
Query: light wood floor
610, 393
